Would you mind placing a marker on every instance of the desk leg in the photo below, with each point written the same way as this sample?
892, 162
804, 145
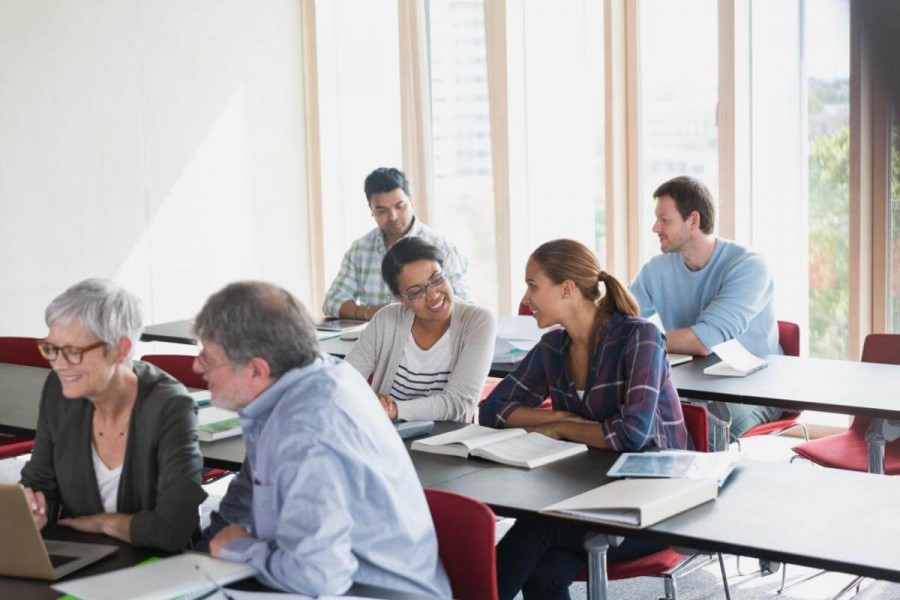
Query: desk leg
596, 545
880, 431
876, 456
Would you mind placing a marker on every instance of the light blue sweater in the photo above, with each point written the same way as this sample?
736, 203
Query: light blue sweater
731, 297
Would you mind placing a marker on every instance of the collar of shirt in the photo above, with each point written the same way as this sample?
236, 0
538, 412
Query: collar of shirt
415, 230
263, 405
565, 380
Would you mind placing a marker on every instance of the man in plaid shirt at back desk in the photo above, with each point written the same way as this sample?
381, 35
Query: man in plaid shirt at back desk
358, 291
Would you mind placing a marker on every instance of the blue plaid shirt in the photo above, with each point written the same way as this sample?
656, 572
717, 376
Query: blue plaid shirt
360, 276
629, 388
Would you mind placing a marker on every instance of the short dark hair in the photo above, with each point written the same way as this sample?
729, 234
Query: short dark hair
689, 195
255, 319
383, 180
405, 251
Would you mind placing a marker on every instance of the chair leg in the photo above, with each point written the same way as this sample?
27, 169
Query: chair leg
724, 577
783, 578
856, 583
671, 589
785, 588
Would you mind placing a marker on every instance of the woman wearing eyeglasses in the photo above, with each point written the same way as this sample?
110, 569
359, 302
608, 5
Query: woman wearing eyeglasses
116, 448
428, 355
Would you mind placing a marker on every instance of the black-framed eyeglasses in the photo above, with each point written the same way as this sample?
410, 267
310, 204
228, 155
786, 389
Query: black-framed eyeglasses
72, 354
418, 292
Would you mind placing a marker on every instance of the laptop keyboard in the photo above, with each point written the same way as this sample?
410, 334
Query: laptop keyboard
58, 560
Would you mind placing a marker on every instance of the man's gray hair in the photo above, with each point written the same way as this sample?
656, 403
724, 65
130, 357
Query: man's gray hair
107, 310
255, 319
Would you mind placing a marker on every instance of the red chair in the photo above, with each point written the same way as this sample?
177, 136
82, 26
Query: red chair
849, 450
523, 309
22, 351
789, 340
181, 367
668, 564
465, 531
19, 351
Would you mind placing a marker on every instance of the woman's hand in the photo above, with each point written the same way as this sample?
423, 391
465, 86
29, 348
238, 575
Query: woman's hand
117, 525
389, 406
38, 505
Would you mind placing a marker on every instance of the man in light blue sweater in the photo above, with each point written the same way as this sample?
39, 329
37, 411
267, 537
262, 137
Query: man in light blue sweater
706, 289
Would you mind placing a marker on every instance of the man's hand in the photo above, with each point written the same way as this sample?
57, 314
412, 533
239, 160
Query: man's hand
225, 537
389, 406
38, 505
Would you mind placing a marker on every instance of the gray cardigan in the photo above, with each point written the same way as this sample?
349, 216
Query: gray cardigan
380, 349
160, 480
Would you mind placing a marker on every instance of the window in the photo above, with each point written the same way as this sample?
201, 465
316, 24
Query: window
679, 92
894, 229
359, 104
463, 207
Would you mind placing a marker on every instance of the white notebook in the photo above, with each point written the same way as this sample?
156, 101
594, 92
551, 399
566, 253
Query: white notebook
165, 578
636, 502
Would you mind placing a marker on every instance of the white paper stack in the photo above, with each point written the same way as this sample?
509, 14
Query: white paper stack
516, 336
737, 361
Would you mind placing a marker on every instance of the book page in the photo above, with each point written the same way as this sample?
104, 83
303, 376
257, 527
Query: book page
529, 450
471, 436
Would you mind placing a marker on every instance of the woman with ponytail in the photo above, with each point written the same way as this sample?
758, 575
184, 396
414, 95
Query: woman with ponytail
607, 375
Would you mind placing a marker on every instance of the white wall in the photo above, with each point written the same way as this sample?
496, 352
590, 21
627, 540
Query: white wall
159, 143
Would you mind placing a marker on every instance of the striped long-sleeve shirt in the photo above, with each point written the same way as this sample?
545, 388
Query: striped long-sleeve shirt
628, 390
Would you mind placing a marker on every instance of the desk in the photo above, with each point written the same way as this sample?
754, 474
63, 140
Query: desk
794, 383
128, 555
179, 332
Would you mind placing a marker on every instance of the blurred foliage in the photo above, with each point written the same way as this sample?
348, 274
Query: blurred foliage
829, 249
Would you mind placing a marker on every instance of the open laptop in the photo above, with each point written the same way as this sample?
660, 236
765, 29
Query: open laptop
23, 553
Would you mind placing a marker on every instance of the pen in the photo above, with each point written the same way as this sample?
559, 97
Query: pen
219, 588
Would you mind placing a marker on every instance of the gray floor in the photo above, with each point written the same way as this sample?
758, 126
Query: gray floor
702, 584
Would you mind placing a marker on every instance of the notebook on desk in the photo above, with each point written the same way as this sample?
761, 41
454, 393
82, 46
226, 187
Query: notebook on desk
25, 554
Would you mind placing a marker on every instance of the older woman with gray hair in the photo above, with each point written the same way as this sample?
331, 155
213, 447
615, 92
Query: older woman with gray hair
116, 449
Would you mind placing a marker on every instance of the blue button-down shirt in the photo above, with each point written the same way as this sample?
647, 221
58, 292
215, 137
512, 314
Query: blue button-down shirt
628, 390
328, 491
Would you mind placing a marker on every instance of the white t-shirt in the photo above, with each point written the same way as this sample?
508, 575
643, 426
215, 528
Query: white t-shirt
422, 372
107, 482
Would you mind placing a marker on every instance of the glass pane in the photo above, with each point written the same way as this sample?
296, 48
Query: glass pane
463, 207
562, 96
359, 104
827, 54
679, 92
894, 233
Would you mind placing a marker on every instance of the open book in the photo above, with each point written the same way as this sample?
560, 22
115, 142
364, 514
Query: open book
514, 447
636, 502
216, 423
676, 464
737, 361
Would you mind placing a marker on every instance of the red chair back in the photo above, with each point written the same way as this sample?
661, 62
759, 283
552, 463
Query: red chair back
882, 348
465, 532
179, 366
21, 351
789, 338
523, 309
697, 423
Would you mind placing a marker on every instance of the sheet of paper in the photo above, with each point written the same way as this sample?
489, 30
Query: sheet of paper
737, 357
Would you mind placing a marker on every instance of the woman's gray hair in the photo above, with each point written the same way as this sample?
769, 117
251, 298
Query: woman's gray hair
255, 319
107, 310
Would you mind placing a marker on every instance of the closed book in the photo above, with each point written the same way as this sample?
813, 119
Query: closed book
217, 423
736, 361
636, 502
514, 447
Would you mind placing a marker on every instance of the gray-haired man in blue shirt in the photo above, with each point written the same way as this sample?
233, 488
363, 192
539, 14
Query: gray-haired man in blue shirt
327, 495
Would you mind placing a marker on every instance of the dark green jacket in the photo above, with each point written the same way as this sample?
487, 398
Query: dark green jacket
160, 480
